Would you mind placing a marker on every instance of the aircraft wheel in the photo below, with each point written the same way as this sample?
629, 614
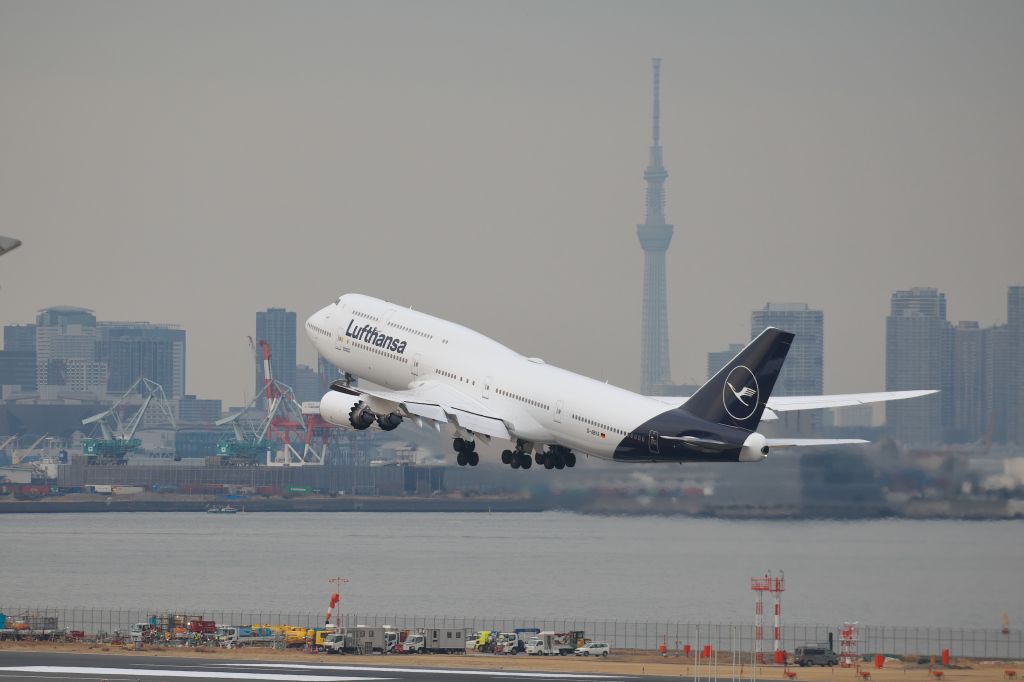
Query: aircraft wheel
506, 456
526, 462
570, 459
549, 463
514, 463
459, 445
539, 458
461, 459
559, 461
473, 458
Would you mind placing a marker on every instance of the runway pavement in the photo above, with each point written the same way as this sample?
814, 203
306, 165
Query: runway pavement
25, 665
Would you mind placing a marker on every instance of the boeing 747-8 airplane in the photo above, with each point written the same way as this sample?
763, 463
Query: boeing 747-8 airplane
437, 372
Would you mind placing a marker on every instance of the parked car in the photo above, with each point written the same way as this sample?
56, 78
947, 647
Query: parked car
815, 655
594, 649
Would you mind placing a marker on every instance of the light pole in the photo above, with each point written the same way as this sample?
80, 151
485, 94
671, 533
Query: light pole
337, 582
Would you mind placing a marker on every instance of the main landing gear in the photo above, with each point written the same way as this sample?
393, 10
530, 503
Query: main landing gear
467, 452
556, 457
517, 459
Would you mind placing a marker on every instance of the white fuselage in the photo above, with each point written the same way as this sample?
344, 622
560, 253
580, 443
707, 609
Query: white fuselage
399, 348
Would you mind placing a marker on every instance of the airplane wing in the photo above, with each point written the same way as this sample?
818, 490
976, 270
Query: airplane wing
808, 442
437, 402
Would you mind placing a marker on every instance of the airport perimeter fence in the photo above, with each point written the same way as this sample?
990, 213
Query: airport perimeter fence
620, 634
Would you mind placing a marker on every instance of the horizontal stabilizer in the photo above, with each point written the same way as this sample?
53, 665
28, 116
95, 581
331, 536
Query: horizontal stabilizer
808, 442
706, 444
789, 403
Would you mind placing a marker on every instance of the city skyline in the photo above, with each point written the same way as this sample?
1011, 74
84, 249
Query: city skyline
965, 359
835, 169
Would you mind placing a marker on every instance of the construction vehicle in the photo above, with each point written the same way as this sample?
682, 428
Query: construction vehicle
117, 435
434, 641
231, 636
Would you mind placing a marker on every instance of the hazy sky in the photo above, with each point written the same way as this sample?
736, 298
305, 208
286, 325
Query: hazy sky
482, 161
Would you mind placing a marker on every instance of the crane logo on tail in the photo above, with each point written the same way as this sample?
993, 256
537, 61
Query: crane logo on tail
739, 394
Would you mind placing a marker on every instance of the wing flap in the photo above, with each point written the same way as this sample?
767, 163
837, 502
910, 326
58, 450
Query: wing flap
489, 426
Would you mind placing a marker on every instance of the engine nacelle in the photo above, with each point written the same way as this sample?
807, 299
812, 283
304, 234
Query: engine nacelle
335, 407
389, 422
755, 448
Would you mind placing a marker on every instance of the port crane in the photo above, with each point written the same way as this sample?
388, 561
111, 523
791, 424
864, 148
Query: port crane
118, 435
284, 418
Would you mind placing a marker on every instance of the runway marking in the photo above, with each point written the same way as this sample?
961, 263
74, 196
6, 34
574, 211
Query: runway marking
425, 669
207, 674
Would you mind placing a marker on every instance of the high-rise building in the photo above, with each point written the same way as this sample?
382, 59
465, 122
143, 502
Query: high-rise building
655, 235
919, 355
720, 358
970, 388
192, 410
803, 371
142, 349
18, 358
66, 352
307, 384
18, 368
276, 326
1015, 368
20, 337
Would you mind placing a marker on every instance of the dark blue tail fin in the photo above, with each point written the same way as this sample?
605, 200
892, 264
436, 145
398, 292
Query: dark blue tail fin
737, 394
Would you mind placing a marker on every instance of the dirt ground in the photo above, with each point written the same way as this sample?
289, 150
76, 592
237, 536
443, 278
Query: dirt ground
617, 664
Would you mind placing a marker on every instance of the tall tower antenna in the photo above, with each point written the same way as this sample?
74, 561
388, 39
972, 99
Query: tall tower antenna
655, 235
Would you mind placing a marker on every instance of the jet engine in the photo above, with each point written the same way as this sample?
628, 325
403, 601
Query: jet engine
336, 407
755, 448
389, 422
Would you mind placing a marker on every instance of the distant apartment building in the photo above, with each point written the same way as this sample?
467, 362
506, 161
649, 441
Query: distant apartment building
1015, 364
970, 387
720, 358
143, 349
276, 326
919, 355
803, 371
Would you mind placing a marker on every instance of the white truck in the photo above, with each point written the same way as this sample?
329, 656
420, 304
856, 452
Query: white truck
435, 641
373, 639
550, 643
338, 642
